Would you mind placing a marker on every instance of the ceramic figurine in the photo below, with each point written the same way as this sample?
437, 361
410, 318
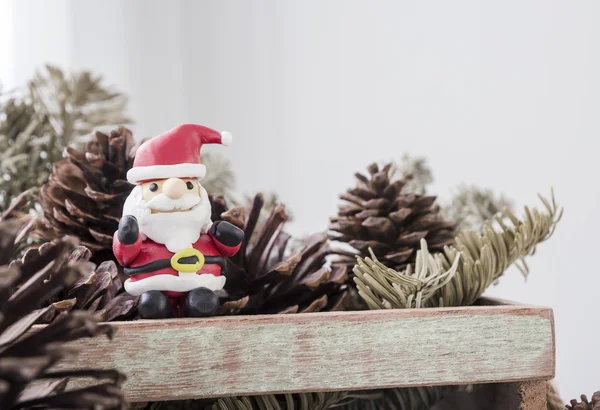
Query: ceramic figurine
171, 251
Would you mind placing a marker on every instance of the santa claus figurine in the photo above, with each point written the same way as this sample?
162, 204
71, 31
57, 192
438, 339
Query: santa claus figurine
167, 243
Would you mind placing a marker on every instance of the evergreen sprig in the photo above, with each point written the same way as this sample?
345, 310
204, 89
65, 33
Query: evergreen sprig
55, 110
471, 206
459, 275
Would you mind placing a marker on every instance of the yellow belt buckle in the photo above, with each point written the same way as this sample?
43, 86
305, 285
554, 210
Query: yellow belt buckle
186, 267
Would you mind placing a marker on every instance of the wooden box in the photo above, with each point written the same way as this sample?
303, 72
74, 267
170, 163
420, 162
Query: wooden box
176, 359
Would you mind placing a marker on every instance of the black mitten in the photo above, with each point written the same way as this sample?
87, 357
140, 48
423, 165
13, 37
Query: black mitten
129, 231
226, 233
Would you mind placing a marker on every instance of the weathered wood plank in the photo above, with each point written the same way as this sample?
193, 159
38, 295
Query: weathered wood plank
193, 358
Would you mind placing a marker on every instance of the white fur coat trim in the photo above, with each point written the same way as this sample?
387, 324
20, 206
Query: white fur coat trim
183, 283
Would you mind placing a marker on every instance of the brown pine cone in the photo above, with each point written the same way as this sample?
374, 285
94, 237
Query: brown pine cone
585, 404
376, 214
99, 290
263, 278
86, 191
27, 362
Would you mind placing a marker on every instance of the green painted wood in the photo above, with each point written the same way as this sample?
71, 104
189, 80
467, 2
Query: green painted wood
245, 355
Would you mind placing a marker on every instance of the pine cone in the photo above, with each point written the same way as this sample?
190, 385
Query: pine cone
585, 404
85, 194
263, 278
99, 290
27, 359
378, 215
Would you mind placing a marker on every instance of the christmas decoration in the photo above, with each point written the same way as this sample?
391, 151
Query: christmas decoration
585, 404
171, 250
412, 252
86, 191
377, 215
37, 124
264, 277
27, 360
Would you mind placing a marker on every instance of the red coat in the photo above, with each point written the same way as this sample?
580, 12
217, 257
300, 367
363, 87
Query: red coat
167, 279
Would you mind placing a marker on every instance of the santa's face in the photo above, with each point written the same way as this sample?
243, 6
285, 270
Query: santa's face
172, 211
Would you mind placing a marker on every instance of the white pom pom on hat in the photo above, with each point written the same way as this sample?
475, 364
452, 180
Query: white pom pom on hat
226, 138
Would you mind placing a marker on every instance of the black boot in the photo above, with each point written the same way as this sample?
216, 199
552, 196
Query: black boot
154, 305
201, 302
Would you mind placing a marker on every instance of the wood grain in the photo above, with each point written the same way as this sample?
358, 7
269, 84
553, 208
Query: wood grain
193, 358
533, 395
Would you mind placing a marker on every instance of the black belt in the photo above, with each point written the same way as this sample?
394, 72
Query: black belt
166, 263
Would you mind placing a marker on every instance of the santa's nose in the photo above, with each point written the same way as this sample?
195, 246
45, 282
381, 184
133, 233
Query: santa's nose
174, 188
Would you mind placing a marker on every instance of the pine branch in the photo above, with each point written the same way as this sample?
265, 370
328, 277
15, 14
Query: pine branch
75, 104
55, 111
472, 206
220, 178
302, 401
459, 275
418, 398
417, 171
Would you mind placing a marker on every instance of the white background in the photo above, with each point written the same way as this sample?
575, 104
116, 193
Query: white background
499, 94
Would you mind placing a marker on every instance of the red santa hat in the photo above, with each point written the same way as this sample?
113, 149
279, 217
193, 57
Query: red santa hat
175, 154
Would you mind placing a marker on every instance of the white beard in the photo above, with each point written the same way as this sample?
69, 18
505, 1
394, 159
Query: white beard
175, 230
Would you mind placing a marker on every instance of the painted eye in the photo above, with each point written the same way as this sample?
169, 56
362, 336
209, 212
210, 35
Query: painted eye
153, 187
190, 185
